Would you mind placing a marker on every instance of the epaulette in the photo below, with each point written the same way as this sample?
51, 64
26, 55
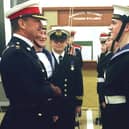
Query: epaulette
17, 46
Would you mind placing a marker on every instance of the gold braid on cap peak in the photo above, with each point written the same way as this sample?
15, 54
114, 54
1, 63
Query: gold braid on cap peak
39, 16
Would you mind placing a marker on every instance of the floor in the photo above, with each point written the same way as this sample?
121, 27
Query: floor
87, 119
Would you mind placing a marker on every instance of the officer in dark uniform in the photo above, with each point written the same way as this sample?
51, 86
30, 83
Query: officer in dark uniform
68, 76
116, 87
24, 77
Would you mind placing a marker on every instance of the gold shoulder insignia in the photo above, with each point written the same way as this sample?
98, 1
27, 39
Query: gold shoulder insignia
17, 46
11, 46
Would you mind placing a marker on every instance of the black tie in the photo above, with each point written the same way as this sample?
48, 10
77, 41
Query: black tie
32, 48
60, 59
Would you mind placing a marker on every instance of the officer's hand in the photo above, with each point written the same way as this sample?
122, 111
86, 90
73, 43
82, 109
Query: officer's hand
56, 90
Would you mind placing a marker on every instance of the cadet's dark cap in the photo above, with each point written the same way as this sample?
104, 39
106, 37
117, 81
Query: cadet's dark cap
59, 35
120, 12
30, 8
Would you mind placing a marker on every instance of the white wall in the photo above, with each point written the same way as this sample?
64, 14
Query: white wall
72, 3
63, 3
90, 34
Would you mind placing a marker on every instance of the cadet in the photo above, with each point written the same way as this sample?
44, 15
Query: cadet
23, 76
105, 56
100, 70
67, 75
116, 87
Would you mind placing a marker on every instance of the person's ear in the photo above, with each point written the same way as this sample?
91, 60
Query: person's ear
127, 27
21, 23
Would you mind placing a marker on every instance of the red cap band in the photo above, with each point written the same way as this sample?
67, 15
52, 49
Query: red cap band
104, 35
26, 11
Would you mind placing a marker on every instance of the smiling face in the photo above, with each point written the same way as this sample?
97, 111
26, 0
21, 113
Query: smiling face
40, 40
57, 46
58, 40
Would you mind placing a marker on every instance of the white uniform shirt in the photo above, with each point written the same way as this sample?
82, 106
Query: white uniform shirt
43, 58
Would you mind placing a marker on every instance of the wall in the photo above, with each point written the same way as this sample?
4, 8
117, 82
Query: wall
72, 3
86, 29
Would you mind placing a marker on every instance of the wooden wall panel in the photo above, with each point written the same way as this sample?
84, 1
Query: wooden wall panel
83, 16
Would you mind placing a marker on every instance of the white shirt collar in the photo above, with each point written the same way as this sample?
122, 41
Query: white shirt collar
57, 55
29, 42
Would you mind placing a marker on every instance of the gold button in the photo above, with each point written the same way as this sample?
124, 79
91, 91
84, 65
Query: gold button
65, 90
17, 43
65, 94
40, 114
28, 48
65, 85
65, 79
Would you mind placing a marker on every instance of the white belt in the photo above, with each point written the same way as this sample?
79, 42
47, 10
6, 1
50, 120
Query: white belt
116, 99
100, 79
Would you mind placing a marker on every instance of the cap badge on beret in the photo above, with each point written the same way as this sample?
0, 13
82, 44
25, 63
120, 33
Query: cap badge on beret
58, 33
